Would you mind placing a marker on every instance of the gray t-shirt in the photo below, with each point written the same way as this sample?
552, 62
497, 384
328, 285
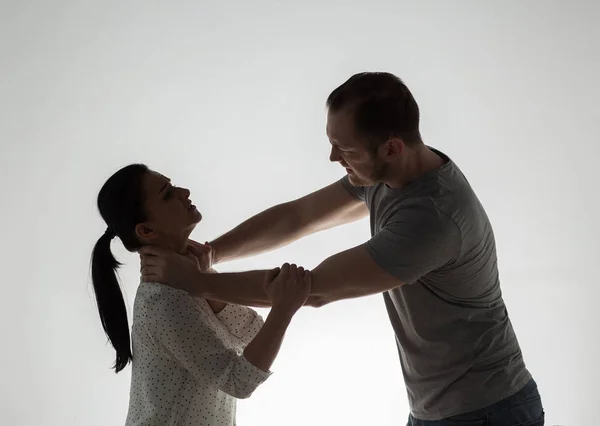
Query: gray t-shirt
457, 346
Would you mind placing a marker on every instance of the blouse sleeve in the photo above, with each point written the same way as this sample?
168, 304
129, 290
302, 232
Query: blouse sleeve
241, 321
181, 330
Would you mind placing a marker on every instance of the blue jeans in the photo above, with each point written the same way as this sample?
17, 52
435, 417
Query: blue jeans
524, 408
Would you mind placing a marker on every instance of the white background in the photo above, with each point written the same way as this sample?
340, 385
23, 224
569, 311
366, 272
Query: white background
227, 98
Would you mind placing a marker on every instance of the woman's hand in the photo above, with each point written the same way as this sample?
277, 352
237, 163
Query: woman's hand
288, 288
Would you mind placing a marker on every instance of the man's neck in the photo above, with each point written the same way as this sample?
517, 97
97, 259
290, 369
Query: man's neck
419, 161
428, 160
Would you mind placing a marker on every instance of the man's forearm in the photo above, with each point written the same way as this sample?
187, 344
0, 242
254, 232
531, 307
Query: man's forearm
273, 228
239, 288
346, 275
215, 305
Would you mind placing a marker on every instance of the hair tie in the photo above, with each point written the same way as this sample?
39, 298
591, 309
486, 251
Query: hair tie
110, 233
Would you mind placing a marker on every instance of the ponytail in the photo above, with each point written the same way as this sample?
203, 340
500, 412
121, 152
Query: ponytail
121, 205
111, 305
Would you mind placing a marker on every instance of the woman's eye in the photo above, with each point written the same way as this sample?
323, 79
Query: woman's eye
170, 191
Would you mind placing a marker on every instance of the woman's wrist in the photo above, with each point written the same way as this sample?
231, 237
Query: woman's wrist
282, 312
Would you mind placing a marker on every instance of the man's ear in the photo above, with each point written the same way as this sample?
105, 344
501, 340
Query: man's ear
144, 232
393, 147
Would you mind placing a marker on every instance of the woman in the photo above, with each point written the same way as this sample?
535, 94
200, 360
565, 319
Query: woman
191, 358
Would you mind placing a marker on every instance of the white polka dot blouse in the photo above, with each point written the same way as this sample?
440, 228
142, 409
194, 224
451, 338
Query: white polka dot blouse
188, 364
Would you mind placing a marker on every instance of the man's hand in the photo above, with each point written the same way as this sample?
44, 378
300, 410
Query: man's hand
167, 267
288, 288
203, 252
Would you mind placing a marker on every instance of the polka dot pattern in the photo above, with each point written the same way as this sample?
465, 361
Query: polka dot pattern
188, 365
240, 321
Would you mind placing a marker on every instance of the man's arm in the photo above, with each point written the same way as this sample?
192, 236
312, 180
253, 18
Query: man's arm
349, 274
419, 240
216, 306
285, 223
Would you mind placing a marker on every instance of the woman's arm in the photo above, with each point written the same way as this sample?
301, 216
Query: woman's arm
187, 337
241, 321
263, 349
287, 290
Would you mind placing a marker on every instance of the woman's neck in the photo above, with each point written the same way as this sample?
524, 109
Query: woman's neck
178, 245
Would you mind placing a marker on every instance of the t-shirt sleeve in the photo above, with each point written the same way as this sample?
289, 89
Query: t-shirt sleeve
357, 192
241, 321
179, 328
415, 241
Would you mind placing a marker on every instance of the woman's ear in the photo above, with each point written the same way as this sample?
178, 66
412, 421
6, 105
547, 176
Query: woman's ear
144, 232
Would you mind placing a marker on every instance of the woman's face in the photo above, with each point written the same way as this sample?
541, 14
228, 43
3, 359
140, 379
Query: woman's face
171, 215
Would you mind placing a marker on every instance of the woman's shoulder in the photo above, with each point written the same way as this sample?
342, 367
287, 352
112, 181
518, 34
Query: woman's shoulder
156, 296
162, 299
148, 289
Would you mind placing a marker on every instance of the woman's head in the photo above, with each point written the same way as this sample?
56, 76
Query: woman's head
140, 207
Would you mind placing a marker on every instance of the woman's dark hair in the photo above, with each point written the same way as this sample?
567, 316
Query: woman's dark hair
121, 205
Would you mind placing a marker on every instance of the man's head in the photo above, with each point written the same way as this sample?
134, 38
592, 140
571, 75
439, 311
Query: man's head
372, 120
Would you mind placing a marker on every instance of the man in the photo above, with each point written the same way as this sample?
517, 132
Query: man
432, 254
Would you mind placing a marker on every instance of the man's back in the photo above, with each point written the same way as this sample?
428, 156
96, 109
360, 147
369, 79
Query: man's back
457, 346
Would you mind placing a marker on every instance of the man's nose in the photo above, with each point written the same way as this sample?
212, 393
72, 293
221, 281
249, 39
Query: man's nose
334, 156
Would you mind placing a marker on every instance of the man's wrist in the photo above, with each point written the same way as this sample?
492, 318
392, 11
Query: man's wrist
196, 285
215, 253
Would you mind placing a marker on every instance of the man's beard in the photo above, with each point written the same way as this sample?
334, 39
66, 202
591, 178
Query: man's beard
377, 174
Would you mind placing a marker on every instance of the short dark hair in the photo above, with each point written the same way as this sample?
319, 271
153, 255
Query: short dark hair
121, 205
383, 107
